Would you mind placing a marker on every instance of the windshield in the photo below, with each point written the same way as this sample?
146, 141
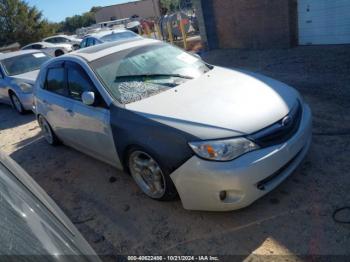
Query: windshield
24, 63
118, 36
141, 72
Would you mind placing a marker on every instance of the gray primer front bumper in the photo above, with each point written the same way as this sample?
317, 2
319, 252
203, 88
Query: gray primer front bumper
199, 182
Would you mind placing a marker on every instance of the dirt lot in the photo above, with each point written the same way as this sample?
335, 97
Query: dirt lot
295, 219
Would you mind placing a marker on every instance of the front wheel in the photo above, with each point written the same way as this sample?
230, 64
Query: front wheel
154, 181
16, 103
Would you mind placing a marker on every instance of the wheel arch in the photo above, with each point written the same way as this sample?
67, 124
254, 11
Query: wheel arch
59, 52
169, 146
10, 92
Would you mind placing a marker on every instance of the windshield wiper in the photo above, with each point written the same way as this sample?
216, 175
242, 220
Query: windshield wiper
153, 75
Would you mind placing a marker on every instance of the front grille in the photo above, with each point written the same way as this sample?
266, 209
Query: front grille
281, 131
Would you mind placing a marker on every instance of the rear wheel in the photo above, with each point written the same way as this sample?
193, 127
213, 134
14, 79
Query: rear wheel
154, 181
59, 52
16, 103
76, 47
47, 131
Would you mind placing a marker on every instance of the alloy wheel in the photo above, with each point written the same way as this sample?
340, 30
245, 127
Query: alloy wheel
147, 174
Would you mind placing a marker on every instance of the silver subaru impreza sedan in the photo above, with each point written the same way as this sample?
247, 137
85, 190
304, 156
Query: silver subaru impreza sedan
18, 72
219, 138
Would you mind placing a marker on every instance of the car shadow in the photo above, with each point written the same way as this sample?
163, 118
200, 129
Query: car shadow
116, 218
9, 118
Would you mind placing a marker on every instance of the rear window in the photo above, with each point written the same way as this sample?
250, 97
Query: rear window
118, 36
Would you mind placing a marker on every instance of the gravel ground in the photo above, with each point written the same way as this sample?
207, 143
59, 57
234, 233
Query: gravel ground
294, 220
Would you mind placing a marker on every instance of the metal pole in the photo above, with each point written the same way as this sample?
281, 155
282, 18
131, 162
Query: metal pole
183, 32
158, 31
170, 32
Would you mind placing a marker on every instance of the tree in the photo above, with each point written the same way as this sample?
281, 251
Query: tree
170, 5
77, 21
21, 23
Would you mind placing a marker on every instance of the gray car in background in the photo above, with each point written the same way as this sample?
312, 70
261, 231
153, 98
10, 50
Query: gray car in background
108, 36
18, 72
32, 226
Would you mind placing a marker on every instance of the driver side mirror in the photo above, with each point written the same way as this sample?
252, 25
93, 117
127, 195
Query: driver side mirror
88, 98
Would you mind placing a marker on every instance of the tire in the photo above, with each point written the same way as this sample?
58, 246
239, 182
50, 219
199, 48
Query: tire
16, 103
75, 47
150, 176
59, 52
47, 131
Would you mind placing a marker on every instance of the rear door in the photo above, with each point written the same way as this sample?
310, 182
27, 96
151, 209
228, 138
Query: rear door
91, 131
54, 103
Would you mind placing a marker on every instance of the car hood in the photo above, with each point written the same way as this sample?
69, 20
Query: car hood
221, 103
28, 77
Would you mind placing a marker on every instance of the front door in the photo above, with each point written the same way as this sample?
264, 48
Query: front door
90, 124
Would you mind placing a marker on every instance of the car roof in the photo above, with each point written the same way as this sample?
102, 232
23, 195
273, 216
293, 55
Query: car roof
65, 36
46, 44
17, 53
97, 51
103, 33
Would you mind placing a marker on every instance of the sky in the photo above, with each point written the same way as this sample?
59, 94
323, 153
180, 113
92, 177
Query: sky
58, 10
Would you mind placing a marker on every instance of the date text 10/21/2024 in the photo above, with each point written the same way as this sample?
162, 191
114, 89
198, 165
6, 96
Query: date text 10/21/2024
173, 258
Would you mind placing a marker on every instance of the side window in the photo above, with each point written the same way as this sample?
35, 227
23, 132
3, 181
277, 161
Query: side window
83, 43
90, 41
55, 81
37, 46
50, 40
28, 47
62, 40
78, 82
1, 74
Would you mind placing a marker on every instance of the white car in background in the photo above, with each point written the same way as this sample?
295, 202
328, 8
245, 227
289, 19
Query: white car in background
63, 39
50, 49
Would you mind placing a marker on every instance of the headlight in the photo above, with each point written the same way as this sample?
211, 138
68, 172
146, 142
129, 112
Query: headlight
223, 150
25, 87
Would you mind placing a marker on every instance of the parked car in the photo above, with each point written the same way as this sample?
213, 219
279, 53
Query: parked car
50, 49
218, 137
18, 72
32, 225
63, 39
108, 36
